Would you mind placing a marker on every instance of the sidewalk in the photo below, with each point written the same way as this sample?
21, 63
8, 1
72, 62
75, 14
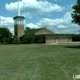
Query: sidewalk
62, 43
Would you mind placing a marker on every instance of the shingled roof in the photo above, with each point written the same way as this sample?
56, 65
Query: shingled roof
33, 31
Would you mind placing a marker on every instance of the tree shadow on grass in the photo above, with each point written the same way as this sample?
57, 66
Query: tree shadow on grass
73, 46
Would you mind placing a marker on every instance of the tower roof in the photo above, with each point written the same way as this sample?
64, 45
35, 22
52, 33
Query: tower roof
18, 17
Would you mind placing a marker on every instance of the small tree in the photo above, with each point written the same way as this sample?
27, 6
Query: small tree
76, 37
27, 39
28, 28
16, 40
4, 40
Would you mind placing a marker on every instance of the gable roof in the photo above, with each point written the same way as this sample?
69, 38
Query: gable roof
66, 35
33, 31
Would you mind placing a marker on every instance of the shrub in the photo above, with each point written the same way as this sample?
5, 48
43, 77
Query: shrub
16, 40
27, 39
76, 38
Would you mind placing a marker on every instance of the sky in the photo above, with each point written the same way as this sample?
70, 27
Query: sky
52, 14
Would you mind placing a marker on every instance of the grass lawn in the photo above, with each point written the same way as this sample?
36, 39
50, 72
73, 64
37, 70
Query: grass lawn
39, 62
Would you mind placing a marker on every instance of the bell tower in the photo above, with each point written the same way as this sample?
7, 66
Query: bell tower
19, 24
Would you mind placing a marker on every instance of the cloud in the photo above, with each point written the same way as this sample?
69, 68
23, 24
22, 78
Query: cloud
61, 25
7, 22
55, 0
58, 25
34, 7
31, 25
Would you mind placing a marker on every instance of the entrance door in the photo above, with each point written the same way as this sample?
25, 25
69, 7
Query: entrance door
57, 40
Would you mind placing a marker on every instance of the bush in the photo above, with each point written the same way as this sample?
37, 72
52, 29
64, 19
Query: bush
76, 38
27, 39
16, 40
39, 39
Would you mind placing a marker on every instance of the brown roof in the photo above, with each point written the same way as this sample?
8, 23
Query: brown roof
33, 31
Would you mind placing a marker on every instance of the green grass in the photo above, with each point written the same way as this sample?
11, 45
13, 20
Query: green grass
39, 62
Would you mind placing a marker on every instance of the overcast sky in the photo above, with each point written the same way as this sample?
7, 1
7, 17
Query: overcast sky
53, 14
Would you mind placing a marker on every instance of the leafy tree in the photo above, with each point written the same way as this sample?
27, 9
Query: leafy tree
16, 40
28, 28
5, 35
76, 13
39, 39
3, 40
76, 37
27, 39
10, 40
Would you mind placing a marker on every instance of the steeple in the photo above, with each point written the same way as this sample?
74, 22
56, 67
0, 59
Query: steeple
18, 9
19, 23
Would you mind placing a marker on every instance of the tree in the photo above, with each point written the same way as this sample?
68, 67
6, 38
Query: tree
76, 37
5, 35
16, 40
76, 13
4, 40
28, 28
27, 39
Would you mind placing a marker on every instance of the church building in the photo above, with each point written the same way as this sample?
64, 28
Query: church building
41, 35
